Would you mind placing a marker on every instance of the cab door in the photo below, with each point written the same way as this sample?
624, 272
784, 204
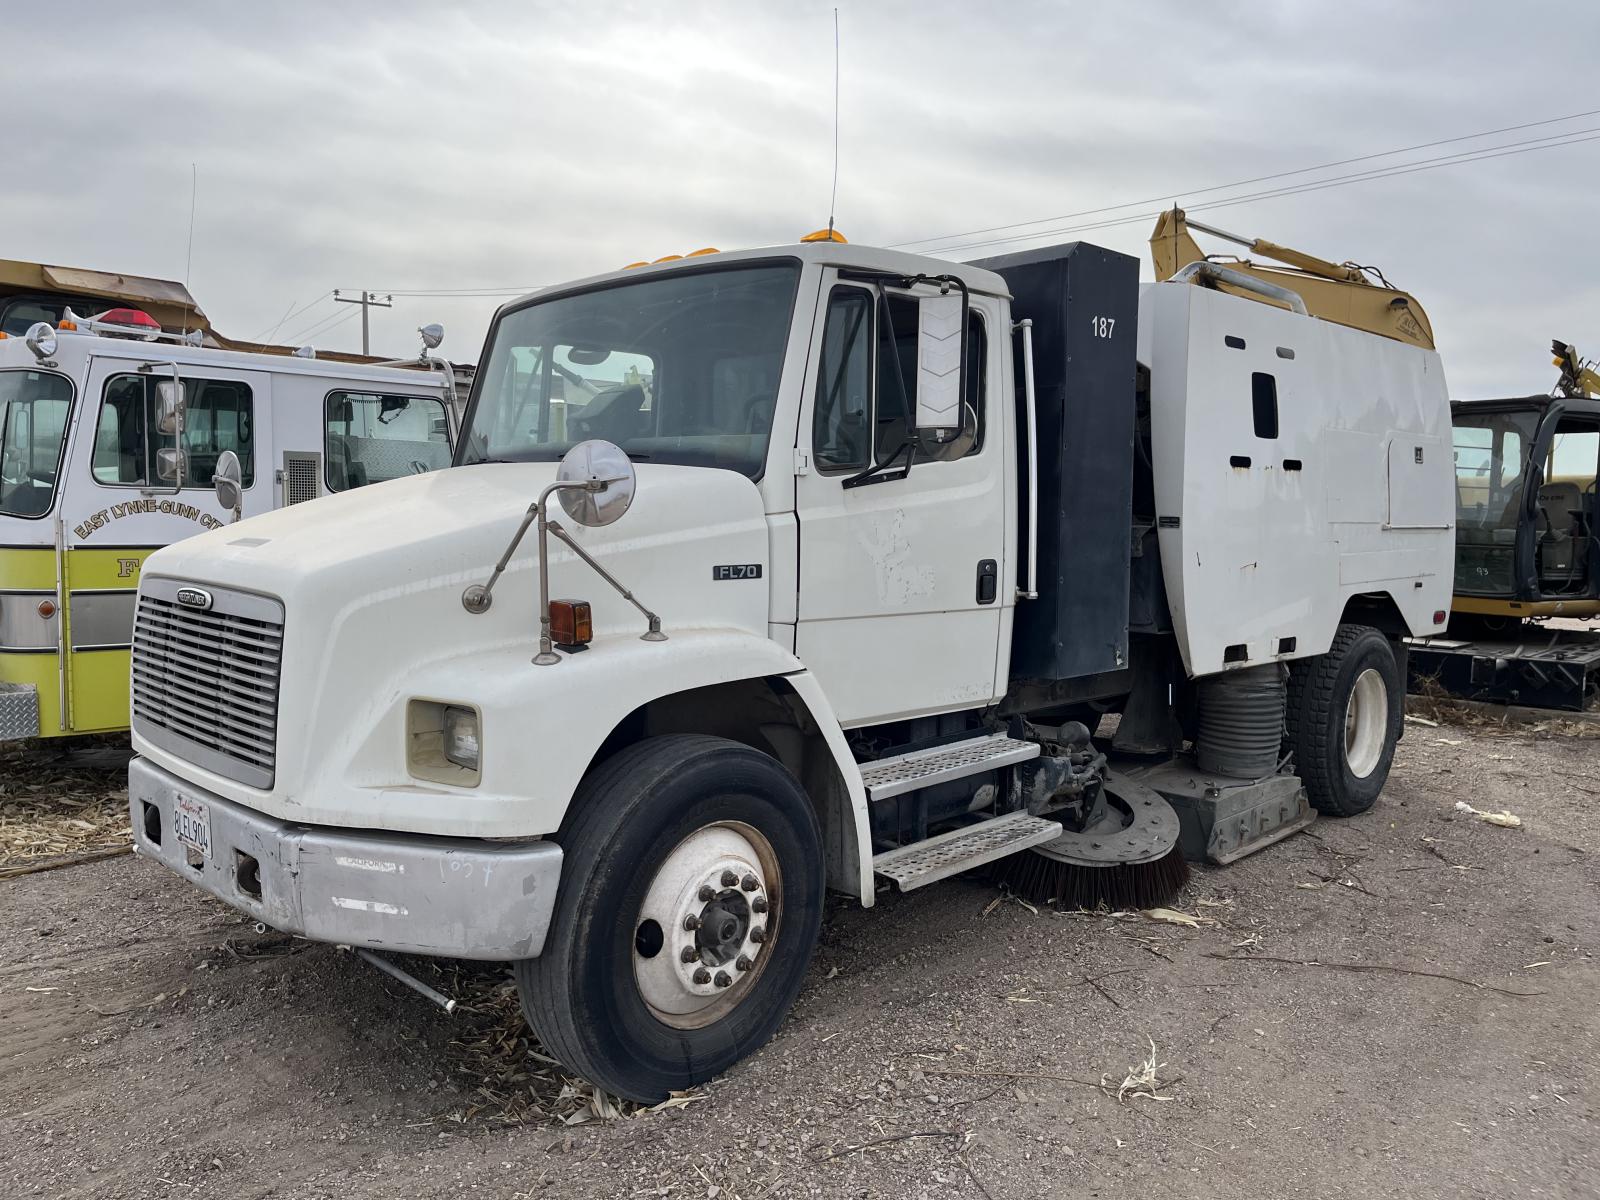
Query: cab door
118, 508
906, 578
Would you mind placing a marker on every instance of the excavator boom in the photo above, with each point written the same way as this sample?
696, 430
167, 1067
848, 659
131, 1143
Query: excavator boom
1578, 378
1339, 292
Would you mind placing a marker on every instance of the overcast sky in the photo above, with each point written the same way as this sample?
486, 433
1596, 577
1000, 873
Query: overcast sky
410, 147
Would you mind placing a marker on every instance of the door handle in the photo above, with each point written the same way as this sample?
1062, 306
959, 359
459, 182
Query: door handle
988, 581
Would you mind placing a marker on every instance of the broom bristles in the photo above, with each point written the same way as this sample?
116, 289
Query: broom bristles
1041, 879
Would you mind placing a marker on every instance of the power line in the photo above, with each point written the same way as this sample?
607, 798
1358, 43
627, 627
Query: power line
1312, 186
268, 335
323, 326
1343, 162
480, 290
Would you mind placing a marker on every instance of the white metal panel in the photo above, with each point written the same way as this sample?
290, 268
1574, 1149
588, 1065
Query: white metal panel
1415, 499
1267, 538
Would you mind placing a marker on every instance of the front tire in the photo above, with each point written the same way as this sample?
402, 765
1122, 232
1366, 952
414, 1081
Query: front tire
1343, 718
690, 902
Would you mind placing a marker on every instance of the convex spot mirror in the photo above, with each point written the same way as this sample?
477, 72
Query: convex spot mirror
599, 462
432, 335
228, 481
169, 407
941, 320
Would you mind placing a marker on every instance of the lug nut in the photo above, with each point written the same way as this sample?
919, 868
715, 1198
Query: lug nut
759, 904
689, 954
749, 883
758, 934
729, 879
702, 976
723, 979
744, 963
691, 922
707, 892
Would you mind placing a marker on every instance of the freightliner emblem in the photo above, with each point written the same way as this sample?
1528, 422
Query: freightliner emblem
193, 597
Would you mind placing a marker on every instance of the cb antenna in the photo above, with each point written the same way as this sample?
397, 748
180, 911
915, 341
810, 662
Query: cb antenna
188, 259
833, 197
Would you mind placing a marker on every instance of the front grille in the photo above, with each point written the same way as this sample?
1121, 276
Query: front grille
205, 681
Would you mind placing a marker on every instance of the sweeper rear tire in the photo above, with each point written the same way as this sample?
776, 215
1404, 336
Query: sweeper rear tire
685, 856
1344, 715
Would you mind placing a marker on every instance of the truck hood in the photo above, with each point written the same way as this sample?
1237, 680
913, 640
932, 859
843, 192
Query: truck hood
371, 583
427, 530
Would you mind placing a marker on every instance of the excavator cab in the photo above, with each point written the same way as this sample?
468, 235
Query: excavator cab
1527, 529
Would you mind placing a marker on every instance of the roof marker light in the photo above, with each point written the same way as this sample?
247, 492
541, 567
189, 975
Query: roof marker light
825, 235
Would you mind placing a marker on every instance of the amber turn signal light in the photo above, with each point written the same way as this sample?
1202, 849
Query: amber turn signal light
571, 626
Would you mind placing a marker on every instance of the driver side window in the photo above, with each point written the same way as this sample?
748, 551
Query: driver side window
862, 402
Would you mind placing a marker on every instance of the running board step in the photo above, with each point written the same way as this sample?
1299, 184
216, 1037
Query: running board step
922, 863
923, 768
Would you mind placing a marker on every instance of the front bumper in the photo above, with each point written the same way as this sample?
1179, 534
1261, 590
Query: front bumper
409, 893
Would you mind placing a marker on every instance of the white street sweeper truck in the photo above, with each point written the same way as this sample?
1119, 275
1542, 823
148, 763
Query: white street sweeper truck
763, 573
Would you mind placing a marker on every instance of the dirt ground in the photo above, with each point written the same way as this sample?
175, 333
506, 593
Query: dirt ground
152, 1044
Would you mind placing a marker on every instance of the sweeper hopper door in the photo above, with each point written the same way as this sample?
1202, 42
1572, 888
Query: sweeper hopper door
903, 573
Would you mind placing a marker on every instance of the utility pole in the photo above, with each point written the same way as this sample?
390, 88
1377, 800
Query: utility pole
368, 301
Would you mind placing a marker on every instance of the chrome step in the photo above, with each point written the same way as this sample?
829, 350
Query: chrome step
922, 863
923, 768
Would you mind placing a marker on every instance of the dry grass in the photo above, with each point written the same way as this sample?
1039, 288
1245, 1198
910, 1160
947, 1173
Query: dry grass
60, 802
1432, 704
508, 1077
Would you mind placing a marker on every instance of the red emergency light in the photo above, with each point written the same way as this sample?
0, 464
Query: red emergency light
141, 324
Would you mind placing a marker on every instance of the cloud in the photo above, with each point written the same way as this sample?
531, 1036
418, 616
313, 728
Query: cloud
415, 147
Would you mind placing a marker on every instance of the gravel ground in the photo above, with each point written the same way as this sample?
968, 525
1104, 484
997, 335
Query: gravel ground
945, 1045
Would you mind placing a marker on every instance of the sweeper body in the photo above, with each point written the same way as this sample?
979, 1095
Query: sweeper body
764, 573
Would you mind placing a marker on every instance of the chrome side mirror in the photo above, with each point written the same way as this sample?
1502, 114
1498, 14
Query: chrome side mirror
169, 407
228, 483
941, 347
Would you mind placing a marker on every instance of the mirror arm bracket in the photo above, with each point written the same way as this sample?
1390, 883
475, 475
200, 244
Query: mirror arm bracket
477, 598
653, 634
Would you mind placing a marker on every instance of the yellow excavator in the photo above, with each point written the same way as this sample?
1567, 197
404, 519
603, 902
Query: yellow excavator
1527, 523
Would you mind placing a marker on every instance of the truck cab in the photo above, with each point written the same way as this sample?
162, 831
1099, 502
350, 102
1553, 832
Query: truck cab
92, 481
764, 573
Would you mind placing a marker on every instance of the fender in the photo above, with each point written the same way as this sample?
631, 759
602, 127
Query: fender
540, 728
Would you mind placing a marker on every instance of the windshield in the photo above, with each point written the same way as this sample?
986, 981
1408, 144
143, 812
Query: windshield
681, 368
1491, 451
33, 426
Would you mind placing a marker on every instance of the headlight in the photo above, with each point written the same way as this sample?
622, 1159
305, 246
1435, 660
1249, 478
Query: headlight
461, 737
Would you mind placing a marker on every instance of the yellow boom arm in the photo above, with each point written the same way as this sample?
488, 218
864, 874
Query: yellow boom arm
1339, 292
1578, 378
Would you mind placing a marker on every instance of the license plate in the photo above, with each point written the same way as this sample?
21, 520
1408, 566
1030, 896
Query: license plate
191, 821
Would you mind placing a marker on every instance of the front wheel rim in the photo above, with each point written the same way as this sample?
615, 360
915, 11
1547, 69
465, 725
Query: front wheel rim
1366, 723
708, 925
